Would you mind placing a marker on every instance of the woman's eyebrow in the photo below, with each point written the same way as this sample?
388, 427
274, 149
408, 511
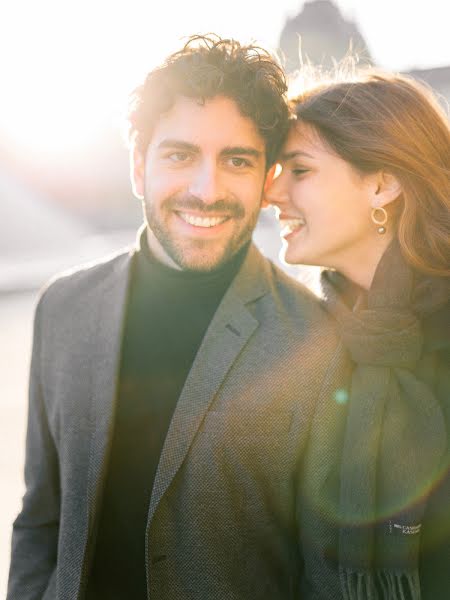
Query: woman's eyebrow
290, 155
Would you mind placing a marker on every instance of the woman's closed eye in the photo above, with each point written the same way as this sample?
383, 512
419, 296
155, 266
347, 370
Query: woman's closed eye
299, 171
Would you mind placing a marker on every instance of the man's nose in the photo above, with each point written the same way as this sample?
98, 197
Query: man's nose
207, 183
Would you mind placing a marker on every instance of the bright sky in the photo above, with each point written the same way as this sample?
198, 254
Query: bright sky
67, 65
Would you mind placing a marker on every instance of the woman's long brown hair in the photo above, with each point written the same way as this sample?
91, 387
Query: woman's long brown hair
380, 121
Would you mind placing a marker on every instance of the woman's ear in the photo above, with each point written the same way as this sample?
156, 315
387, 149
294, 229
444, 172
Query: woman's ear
387, 189
268, 182
137, 172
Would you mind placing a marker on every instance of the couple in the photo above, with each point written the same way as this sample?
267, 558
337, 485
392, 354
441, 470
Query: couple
201, 426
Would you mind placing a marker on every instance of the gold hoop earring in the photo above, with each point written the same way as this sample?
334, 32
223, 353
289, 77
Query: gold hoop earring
380, 222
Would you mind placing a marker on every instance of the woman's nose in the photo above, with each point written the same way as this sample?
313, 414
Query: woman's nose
276, 193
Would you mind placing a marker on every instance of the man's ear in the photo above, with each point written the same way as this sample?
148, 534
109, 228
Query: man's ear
268, 182
387, 189
137, 172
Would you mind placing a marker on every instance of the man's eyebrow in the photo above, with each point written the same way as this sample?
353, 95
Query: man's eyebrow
290, 155
178, 144
241, 151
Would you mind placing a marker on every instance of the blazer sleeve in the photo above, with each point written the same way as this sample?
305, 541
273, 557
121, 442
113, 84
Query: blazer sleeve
35, 530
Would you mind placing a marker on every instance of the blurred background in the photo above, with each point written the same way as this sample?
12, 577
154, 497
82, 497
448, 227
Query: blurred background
66, 70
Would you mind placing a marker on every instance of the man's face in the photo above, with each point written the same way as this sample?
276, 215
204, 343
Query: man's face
201, 182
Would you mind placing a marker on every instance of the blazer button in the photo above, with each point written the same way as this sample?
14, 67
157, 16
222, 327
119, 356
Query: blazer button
158, 558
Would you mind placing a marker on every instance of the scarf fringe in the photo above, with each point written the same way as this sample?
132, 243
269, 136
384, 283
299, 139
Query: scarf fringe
384, 585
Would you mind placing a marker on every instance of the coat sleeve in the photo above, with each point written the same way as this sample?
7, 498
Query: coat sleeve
435, 555
435, 541
35, 530
318, 483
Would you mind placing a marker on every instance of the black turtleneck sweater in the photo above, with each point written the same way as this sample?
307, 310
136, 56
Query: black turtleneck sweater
168, 312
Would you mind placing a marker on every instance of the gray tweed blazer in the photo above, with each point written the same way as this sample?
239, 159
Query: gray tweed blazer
224, 512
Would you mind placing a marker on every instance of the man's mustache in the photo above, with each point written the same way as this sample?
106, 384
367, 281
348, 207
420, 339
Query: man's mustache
188, 202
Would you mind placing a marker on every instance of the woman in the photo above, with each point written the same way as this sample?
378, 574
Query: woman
364, 190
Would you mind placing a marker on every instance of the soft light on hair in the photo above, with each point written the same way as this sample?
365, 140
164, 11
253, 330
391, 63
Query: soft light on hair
379, 121
209, 66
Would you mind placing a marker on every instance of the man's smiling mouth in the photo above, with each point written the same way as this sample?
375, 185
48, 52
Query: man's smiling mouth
198, 221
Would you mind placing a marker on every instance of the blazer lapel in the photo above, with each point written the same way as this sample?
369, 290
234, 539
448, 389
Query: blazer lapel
227, 334
105, 359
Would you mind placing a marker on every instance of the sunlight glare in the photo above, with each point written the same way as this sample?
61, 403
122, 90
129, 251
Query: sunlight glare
70, 82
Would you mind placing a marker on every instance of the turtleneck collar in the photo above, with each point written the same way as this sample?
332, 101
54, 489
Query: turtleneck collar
148, 262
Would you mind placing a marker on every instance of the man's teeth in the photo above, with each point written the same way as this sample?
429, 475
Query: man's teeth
290, 225
202, 221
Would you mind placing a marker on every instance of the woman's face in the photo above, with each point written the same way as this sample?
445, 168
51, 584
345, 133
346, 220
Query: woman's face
324, 204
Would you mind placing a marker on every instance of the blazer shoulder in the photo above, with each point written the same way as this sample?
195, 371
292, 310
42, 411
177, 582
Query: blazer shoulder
295, 297
291, 314
72, 285
295, 325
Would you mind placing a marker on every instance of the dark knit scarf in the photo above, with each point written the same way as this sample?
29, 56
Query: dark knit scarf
394, 432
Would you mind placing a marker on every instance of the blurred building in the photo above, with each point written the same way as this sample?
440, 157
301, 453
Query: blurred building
321, 34
437, 78
39, 237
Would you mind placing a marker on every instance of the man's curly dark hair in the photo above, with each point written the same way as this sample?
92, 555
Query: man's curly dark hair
208, 66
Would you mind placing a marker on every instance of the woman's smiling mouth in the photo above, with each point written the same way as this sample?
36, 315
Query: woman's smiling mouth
291, 225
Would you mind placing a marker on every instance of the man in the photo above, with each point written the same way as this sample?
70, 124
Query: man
172, 386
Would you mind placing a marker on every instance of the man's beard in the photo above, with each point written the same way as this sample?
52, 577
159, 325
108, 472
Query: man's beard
178, 248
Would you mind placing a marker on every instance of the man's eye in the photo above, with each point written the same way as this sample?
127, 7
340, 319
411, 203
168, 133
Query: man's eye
239, 162
179, 156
